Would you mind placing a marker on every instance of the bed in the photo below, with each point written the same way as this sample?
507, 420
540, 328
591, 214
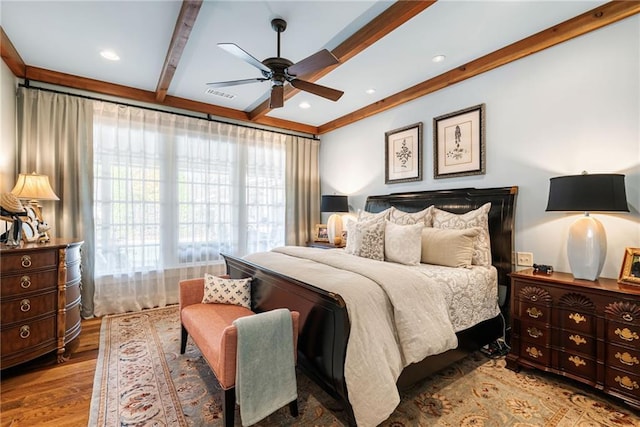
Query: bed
324, 318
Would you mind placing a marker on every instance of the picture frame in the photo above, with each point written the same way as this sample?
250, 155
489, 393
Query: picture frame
630, 270
403, 154
459, 143
321, 233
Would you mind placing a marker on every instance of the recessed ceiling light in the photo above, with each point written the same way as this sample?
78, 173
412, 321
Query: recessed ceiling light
304, 105
110, 55
438, 58
371, 91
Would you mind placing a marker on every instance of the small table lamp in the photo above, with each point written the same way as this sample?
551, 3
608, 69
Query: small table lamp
35, 187
334, 204
587, 243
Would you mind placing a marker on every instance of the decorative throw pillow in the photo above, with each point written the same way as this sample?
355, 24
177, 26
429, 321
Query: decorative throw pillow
402, 243
366, 239
475, 218
451, 248
227, 291
378, 217
424, 217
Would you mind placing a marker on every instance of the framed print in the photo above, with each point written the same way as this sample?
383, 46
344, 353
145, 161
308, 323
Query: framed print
403, 154
321, 234
630, 271
458, 143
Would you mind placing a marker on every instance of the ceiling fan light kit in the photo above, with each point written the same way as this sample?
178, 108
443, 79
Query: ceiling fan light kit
280, 70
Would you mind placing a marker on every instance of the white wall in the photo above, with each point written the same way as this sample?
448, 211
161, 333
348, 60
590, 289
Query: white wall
8, 85
570, 108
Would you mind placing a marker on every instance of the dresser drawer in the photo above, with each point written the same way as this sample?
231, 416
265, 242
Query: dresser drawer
538, 334
576, 342
577, 364
623, 382
29, 282
623, 358
577, 321
21, 261
23, 309
529, 311
28, 334
535, 353
624, 334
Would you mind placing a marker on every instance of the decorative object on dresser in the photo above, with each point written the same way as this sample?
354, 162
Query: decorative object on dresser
630, 271
403, 154
586, 331
458, 143
587, 243
40, 299
334, 204
35, 187
321, 234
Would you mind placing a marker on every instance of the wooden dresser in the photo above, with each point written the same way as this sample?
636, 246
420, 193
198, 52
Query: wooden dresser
39, 298
584, 330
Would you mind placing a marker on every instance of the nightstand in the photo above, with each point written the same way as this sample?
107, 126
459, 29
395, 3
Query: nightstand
588, 331
323, 245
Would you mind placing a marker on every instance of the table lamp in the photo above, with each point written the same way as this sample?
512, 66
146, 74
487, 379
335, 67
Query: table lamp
587, 242
334, 204
35, 187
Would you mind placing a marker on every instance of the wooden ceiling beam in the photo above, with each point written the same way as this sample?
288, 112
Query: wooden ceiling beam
184, 24
10, 56
393, 17
594, 19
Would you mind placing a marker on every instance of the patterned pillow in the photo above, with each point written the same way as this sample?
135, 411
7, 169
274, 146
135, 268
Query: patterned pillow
378, 217
475, 218
424, 217
451, 248
366, 239
402, 243
227, 291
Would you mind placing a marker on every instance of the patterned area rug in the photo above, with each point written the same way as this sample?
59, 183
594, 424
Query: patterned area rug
141, 379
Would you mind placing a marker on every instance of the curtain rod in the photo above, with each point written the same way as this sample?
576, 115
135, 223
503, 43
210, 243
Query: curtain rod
208, 117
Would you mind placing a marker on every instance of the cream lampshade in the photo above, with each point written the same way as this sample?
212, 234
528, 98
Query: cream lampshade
587, 243
35, 187
334, 204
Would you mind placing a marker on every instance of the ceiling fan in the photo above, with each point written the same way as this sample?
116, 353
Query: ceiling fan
280, 70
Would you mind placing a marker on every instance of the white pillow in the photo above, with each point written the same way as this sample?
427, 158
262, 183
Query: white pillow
424, 217
475, 218
366, 239
378, 217
451, 248
227, 291
402, 243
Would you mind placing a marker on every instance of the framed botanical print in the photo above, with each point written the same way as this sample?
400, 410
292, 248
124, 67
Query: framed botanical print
630, 270
458, 143
403, 154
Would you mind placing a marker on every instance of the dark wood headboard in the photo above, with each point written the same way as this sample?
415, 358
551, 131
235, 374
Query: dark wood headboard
501, 215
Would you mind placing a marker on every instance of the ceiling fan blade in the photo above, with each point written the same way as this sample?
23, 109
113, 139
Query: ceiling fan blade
242, 54
236, 82
277, 97
323, 91
317, 61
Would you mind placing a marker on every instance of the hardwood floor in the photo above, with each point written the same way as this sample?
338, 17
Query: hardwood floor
44, 393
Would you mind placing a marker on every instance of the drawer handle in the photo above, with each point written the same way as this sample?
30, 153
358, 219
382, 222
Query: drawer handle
25, 331
26, 261
25, 282
627, 359
627, 317
534, 312
534, 332
626, 334
577, 317
25, 305
577, 339
534, 352
577, 361
626, 382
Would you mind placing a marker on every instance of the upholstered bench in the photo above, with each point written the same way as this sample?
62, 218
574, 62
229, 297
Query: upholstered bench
212, 330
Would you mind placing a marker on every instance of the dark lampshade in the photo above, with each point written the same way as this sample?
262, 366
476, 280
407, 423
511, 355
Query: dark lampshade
334, 204
588, 193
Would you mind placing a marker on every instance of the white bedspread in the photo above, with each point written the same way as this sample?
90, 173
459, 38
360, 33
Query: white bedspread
398, 316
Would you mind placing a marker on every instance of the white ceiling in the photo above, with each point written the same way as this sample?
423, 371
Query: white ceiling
67, 36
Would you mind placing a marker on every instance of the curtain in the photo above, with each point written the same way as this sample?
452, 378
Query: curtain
55, 139
171, 194
303, 189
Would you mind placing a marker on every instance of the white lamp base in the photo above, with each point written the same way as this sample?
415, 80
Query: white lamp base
586, 248
334, 229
